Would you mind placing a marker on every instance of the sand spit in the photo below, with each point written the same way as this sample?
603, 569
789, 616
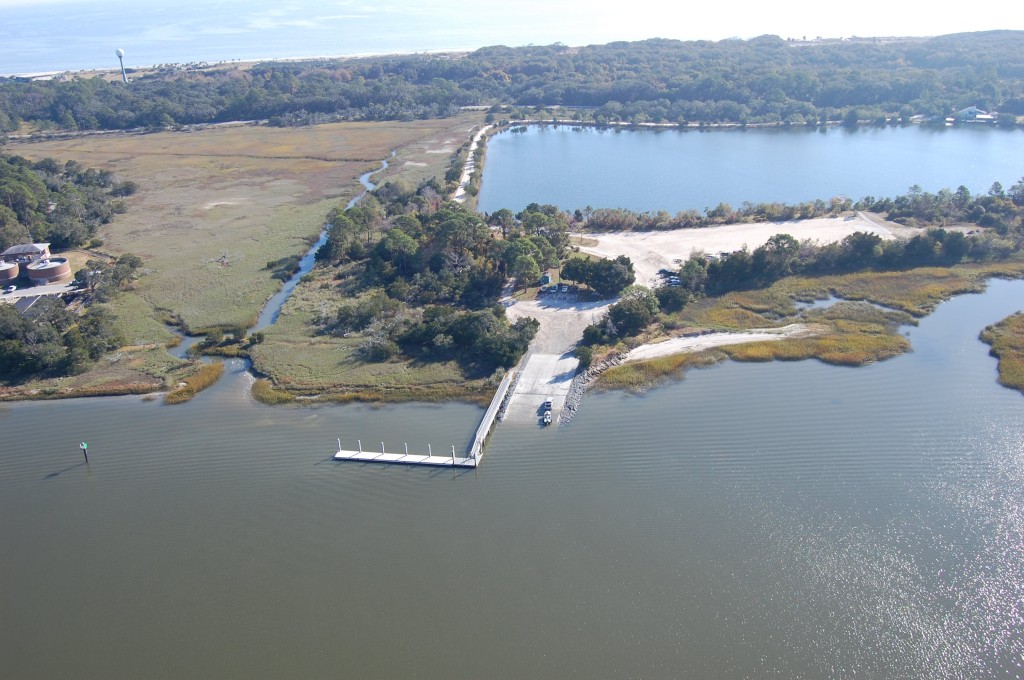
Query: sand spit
698, 343
689, 343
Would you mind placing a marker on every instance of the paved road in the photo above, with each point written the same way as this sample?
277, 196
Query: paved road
35, 291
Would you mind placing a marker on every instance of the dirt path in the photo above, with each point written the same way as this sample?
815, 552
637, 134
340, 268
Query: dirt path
467, 170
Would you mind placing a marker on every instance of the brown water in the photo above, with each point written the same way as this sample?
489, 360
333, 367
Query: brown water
761, 520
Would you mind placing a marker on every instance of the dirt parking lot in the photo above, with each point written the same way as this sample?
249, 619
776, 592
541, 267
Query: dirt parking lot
654, 250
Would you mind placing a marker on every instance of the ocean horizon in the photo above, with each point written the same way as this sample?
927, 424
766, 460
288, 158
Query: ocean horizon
73, 36
42, 36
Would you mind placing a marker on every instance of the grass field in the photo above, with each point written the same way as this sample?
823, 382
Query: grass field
215, 205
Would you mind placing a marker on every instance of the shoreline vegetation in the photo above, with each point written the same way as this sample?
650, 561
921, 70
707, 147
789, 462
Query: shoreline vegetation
863, 328
1006, 339
218, 217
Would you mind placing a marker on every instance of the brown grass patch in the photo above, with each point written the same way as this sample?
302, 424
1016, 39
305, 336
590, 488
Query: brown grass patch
263, 391
1007, 341
207, 375
641, 376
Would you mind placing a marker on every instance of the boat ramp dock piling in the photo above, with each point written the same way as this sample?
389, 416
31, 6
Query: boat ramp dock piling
406, 458
470, 459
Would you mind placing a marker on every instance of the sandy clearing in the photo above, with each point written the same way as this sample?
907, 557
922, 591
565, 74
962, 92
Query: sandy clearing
654, 250
698, 343
549, 368
562, 320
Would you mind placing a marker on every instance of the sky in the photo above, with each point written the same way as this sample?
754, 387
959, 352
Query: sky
70, 34
667, 19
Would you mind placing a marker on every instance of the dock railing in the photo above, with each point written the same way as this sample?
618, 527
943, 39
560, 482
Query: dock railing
477, 447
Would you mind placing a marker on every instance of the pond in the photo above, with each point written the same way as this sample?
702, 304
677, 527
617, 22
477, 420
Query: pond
673, 170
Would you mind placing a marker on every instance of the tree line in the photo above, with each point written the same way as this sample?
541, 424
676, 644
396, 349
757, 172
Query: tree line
763, 80
782, 255
61, 204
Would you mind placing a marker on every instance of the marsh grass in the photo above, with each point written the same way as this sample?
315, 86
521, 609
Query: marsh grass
297, 357
1006, 339
139, 323
914, 291
204, 377
721, 313
641, 376
263, 391
847, 344
216, 205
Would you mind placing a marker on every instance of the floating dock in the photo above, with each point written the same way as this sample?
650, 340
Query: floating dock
407, 458
468, 460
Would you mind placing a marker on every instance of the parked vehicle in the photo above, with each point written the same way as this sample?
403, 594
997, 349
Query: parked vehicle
10, 289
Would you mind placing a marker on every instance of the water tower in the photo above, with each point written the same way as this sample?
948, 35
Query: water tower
120, 58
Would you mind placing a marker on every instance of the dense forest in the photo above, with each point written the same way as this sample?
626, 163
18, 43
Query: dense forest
59, 204
421, 276
765, 79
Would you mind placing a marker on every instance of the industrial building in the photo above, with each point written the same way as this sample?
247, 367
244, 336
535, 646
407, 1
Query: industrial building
34, 262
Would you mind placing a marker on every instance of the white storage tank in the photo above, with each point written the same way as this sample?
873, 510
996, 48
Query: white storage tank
52, 270
8, 272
